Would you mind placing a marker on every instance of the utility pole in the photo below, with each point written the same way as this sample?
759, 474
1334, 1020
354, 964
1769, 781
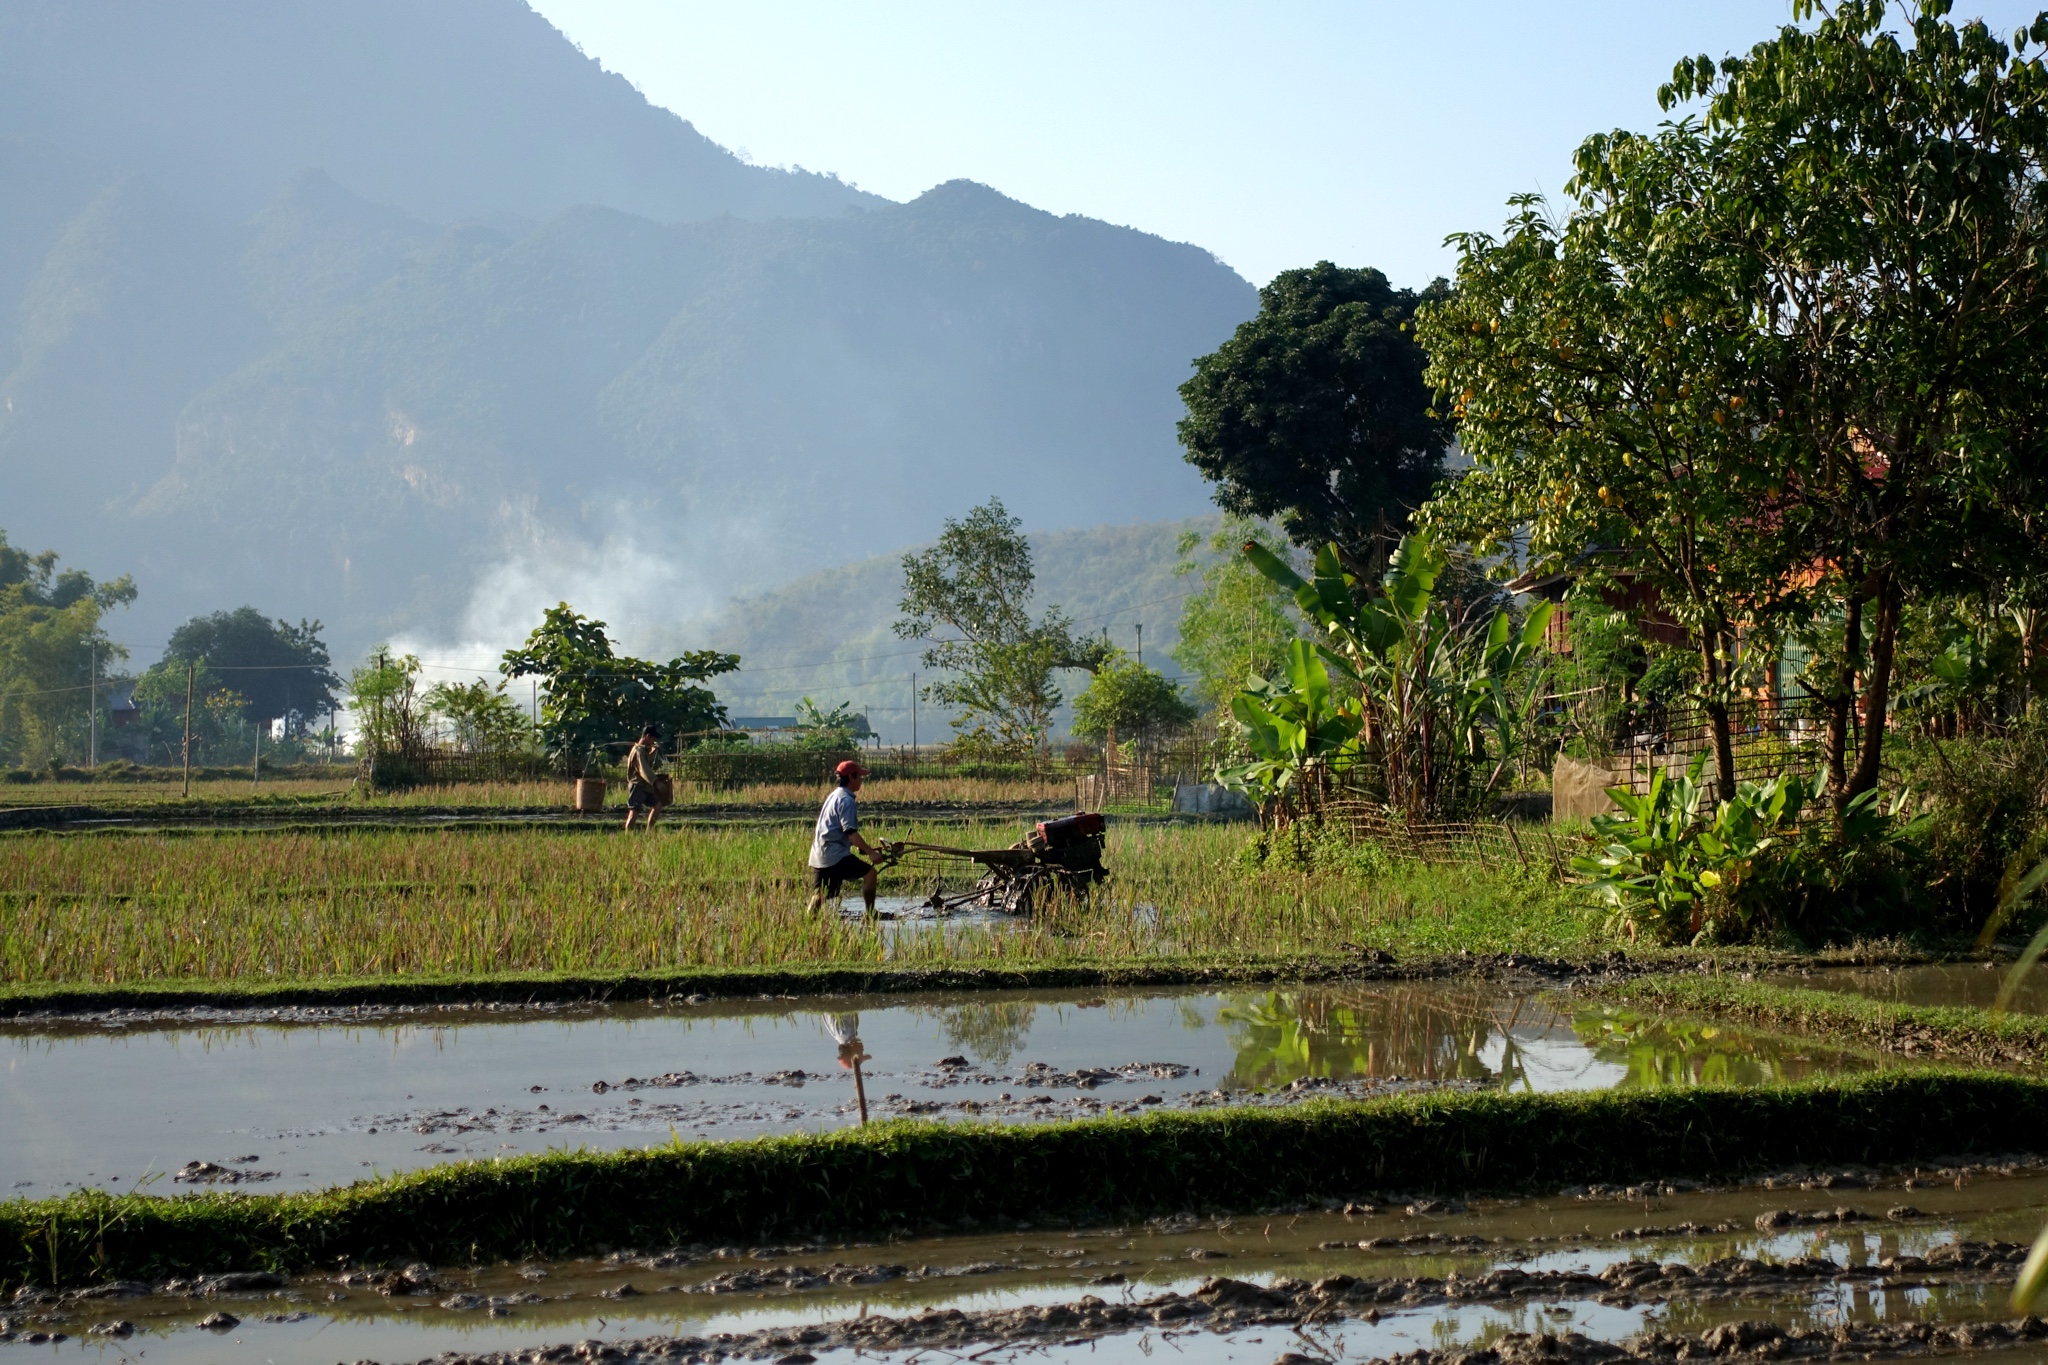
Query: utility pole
92, 708
188, 727
1141, 644
913, 713
256, 763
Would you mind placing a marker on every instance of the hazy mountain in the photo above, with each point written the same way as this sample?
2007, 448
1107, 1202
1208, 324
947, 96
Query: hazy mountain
409, 317
448, 108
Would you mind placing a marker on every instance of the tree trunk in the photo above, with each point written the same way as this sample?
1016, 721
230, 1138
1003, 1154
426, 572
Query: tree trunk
1840, 701
1717, 714
1877, 689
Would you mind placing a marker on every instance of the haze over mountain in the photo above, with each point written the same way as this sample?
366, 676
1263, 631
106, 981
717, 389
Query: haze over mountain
410, 317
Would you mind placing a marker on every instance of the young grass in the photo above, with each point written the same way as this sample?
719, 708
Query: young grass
365, 903
922, 1175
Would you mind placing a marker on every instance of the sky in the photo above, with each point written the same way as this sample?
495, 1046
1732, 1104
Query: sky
1274, 133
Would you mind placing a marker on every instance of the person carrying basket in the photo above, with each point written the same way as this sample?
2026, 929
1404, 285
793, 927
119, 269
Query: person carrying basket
647, 788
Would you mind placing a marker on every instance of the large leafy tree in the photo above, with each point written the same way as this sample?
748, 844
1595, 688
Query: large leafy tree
1316, 413
280, 671
594, 699
970, 596
1877, 209
1784, 360
1599, 387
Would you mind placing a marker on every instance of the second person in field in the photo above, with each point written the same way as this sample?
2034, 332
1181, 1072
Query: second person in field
833, 861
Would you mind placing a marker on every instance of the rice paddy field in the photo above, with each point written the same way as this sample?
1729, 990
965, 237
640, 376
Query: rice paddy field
154, 906
337, 787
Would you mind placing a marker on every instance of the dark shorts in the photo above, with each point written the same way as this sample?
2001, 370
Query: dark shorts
851, 868
639, 795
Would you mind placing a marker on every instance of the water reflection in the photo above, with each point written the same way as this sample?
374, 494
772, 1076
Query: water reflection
1482, 1035
1659, 1053
1422, 1032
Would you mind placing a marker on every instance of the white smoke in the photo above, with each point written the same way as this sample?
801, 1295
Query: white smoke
651, 587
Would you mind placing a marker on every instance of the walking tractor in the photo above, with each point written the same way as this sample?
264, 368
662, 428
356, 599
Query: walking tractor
1058, 857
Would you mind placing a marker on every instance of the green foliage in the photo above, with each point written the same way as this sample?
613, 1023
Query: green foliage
1127, 700
976, 583
863, 1182
389, 712
280, 670
1299, 734
595, 701
1782, 364
1986, 795
484, 720
50, 633
1238, 624
1435, 696
838, 730
1315, 413
222, 730
1664, 854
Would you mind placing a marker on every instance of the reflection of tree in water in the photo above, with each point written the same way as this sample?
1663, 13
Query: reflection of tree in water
988, 1033
1420, 1032
1659, 1053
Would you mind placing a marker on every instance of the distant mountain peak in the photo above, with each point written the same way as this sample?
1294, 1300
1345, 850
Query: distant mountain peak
451, 110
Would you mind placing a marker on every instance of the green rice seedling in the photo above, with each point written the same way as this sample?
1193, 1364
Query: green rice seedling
377, 902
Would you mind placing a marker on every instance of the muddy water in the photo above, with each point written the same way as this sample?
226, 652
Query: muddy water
704, 1291
1947, 983
306, 1099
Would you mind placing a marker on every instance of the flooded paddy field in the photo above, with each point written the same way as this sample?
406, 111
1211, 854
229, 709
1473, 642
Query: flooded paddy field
1810, 1264
314, 1097
1973, 984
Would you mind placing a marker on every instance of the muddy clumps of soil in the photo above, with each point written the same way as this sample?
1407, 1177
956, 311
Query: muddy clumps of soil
1223, 1305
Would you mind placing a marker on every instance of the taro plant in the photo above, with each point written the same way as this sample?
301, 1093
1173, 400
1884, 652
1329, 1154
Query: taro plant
1668, 850
1439, 694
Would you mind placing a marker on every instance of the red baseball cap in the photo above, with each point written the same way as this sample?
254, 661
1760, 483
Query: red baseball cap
850, 769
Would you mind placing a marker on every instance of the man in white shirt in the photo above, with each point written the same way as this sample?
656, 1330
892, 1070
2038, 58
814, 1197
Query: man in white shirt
833, 862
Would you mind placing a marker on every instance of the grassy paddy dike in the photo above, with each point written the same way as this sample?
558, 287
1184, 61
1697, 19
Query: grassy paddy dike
909, 1176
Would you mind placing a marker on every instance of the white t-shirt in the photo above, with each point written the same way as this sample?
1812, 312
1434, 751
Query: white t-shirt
837, 819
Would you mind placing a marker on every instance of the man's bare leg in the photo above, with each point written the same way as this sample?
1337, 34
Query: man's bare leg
867, 888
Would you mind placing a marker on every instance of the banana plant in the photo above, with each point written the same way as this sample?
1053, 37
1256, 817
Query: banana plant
1297, 729
1432, 691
